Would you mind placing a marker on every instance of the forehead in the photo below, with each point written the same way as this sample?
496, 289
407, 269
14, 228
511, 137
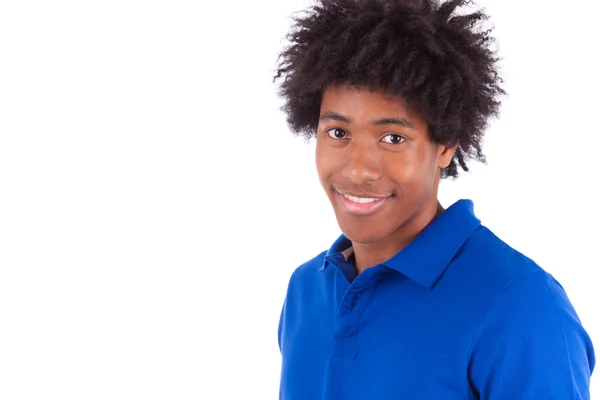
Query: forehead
365, 105
361, 101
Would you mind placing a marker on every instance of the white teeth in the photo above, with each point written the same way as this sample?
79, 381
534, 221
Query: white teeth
361, 200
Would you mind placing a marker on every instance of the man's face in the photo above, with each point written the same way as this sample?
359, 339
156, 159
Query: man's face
376, 162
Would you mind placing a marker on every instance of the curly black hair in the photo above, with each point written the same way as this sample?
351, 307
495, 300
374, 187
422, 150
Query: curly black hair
438, 60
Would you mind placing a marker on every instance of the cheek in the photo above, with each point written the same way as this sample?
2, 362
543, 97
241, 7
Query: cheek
320, 160
412, 168
327, 160
325, 163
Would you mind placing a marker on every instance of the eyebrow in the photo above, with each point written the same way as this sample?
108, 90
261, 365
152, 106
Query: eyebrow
382, 121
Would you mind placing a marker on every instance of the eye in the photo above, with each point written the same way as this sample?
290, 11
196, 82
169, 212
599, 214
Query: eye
336, 133
393, 139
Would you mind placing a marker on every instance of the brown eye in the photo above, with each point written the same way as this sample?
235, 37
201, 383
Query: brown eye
336, 133
393, 139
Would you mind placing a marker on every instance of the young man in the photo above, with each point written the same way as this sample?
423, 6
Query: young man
412, 301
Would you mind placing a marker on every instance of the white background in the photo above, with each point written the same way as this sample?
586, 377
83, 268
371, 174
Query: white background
153, 202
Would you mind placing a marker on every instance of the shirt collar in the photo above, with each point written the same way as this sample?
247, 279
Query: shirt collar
425, 259
339, 251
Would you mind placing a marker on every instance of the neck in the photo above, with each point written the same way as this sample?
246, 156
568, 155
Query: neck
370, 254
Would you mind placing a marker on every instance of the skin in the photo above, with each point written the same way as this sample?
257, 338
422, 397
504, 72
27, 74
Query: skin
370, 144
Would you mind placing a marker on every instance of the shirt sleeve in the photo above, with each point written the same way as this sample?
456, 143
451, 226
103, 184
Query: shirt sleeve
280, 326
531, 345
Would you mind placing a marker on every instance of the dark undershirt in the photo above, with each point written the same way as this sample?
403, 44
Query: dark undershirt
348, 267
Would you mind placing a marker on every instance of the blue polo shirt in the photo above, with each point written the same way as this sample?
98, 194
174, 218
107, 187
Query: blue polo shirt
457, 314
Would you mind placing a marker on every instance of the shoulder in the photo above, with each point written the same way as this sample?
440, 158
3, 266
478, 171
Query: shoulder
529, 336
531, 340
511, 286
503, 284
492, 263
309, 268
302, 285
306, 273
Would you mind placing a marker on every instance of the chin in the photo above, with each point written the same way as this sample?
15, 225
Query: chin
364, 230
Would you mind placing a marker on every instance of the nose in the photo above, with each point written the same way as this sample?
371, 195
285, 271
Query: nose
362, 164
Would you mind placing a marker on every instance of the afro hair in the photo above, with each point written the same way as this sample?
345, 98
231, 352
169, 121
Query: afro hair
437, 59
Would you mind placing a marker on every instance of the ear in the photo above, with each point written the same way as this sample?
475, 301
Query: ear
445, 154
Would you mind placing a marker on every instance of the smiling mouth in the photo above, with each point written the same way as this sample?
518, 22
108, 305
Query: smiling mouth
361, 205
362, 200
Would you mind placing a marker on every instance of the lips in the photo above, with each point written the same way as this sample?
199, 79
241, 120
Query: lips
361, 204
361, 200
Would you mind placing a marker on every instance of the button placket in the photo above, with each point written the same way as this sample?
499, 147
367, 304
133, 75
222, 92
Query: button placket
356, 300
353, 304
